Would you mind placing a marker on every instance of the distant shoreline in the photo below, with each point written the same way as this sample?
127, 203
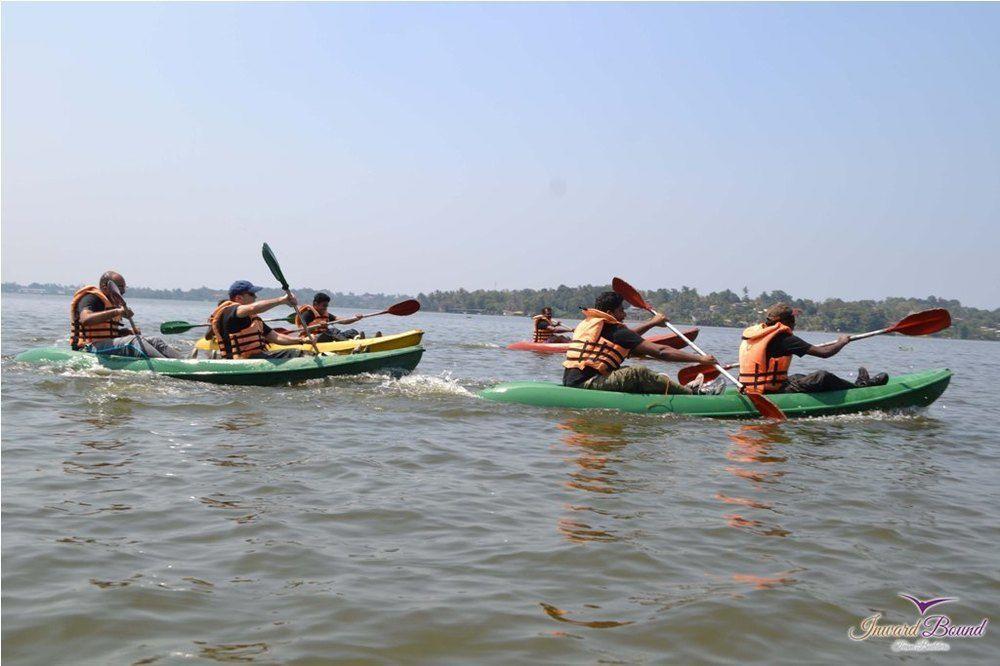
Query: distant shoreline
725, 309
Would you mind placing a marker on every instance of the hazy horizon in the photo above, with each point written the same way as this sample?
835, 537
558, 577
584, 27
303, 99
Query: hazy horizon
829, 151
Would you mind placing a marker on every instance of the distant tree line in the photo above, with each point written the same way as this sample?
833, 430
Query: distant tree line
684, 305
725, 308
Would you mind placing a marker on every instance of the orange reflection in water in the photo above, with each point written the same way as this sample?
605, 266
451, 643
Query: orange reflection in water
754, 461
593, 443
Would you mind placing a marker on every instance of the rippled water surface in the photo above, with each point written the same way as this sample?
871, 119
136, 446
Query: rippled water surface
153, 520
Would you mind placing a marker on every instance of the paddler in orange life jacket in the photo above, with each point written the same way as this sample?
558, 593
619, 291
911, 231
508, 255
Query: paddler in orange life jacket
601, 343
547, 330
96, 315
766, 352
317, 316
239, 330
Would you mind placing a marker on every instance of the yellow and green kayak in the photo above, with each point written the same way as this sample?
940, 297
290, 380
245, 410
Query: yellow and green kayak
382, 343
241, 372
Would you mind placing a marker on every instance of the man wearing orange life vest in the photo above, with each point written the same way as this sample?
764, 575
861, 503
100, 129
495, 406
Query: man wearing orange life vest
317, 316
766, 354
547, 330
96, 323
601, 343
239, 330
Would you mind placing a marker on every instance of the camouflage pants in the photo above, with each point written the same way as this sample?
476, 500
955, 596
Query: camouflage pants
635, 379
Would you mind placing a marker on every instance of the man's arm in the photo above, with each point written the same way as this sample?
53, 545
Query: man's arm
276, 338
665, 353
88, 316
260, 307
656, 320
828, 350
346, 320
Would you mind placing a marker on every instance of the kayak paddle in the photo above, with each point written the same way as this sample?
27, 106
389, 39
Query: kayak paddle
766, 408
691, 372
172, 327
121, 299
272, 263
924, 322
401, 309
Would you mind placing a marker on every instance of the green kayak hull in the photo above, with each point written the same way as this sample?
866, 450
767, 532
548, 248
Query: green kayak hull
914, 390
252, 372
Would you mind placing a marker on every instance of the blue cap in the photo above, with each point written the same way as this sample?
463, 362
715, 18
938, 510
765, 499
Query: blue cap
242, 287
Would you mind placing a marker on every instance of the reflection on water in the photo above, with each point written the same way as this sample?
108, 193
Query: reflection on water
753, 451
594, 443
560, 614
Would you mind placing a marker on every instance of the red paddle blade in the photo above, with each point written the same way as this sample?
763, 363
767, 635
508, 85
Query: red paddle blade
404, 308
923, 323
629, 293
767, 409
691, 372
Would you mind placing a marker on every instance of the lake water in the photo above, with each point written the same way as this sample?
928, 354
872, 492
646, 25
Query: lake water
152, 520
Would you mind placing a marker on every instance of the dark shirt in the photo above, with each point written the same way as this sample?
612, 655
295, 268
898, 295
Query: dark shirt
90, 302
94, 304
786, 344
231, 323
620, 335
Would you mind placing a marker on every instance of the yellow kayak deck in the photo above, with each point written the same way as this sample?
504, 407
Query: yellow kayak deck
383, 343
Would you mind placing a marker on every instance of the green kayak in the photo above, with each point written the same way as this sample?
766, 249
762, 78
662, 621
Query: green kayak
915, 390
253, 372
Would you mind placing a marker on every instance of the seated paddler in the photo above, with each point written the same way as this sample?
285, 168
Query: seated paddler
321, 321
96, 314
601, 343
766, 351
547, 329
239, 329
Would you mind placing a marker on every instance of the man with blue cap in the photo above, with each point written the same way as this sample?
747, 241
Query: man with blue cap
239, 330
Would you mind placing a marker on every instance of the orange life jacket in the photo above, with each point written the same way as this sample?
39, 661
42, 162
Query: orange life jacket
589, 349
244, 343
80, 335
315, 323
758, 372
542, 334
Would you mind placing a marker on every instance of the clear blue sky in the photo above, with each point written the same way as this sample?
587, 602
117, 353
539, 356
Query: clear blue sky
831, 150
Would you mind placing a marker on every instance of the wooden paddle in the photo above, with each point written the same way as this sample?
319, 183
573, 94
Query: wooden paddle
766, 408
272, 263
924, 322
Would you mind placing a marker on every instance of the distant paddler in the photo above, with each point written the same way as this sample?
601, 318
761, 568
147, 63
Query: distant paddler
320, 321
547, 329
96, 315
601, 343
239, 330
